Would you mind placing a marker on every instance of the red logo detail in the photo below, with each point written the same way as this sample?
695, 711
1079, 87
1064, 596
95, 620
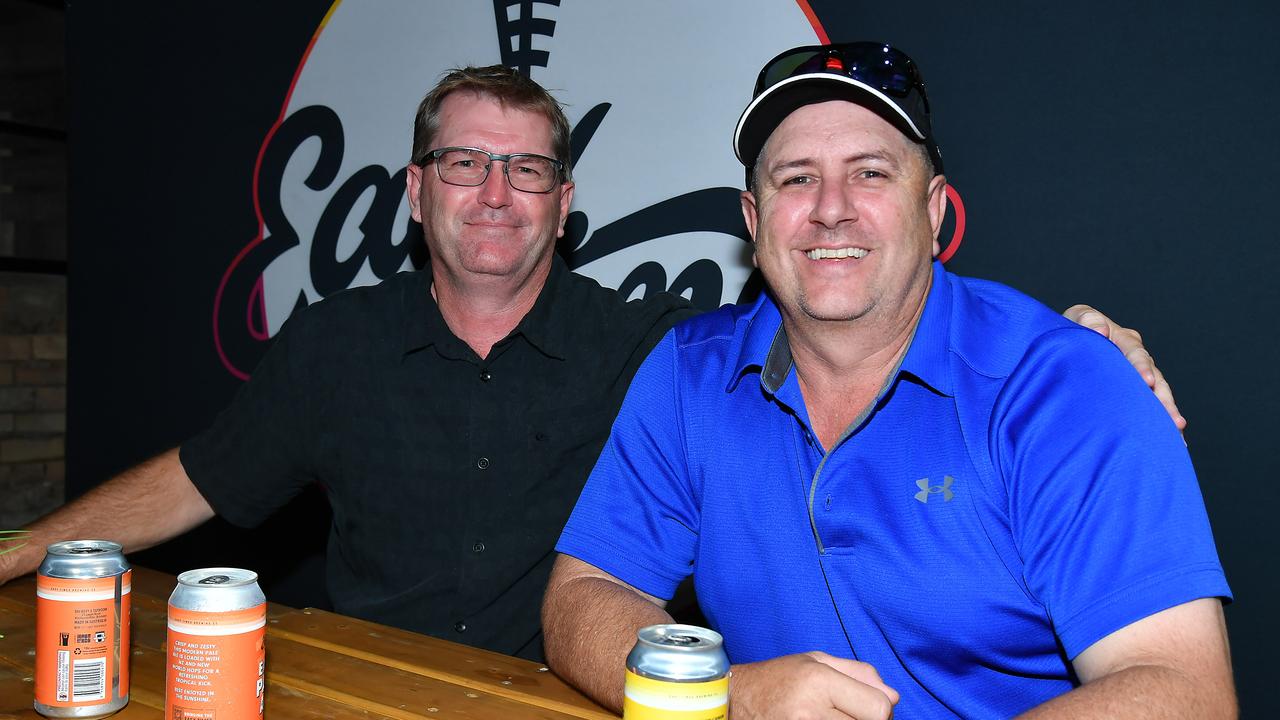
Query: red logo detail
956, 204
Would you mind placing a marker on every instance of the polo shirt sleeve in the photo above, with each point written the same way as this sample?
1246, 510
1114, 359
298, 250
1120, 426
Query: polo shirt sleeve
1104, 506
637, 518
253, 458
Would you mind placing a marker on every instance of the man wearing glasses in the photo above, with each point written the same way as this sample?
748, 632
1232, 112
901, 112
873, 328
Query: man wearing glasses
451, 415
892, 485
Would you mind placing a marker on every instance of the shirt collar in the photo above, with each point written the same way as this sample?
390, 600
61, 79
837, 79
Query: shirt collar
765, 348
927, 358
545, 326
763, 344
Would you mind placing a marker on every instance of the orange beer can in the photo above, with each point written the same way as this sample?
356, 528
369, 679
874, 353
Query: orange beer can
215, 652
82, 630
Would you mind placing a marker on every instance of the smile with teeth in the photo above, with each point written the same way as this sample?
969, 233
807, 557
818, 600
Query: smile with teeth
836, 253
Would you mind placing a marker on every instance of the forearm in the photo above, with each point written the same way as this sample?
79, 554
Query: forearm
1173, 664
589, 626
1140, 692
141, 507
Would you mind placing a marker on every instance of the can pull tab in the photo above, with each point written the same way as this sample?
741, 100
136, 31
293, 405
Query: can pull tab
214, 580
683, 639
85, 550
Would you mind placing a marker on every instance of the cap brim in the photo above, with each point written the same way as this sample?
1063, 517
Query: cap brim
767, 111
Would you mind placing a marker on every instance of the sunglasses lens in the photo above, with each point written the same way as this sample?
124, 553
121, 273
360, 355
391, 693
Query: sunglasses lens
879, 66
890, 70
788, 65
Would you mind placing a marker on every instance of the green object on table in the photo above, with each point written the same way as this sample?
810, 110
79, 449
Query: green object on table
11, 540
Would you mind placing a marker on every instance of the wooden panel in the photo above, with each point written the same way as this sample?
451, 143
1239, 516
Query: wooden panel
319, 665
396, 693
469, 667
17, 638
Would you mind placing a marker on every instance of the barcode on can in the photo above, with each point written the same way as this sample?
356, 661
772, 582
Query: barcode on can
89, 679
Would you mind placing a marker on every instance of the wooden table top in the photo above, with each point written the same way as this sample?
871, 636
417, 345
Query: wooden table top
319, 665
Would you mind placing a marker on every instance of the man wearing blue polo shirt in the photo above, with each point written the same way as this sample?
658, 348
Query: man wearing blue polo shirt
892, 485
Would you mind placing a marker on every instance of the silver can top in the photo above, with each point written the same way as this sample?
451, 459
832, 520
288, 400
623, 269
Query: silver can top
217, 589
218, 577
679, 653
83, 559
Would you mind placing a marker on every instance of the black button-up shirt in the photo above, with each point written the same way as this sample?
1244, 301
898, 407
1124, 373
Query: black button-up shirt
450, 476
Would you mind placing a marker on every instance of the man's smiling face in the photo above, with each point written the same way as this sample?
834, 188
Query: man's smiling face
491, 229
845, 215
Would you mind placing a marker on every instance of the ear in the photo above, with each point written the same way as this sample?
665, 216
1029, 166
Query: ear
413, 188
936, 199
751, 216
566, 199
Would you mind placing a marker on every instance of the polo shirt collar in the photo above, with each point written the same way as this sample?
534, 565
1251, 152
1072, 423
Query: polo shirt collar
763, 342
927, 358
765, 347
545, 326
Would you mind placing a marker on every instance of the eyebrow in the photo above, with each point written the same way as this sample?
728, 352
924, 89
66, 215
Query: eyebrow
808, 161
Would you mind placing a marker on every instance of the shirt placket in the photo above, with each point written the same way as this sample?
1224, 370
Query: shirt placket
487, 457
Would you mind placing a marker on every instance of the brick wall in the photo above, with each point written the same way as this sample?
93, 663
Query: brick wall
33, 395
33, 230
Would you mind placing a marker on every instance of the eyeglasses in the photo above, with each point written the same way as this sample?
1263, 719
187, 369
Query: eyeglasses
876, 64
469, 167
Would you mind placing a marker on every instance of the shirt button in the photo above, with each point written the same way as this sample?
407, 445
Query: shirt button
478, 547
485, 376
482, 463
460, 626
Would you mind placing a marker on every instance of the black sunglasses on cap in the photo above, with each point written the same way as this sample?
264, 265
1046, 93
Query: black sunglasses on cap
877, 64
872, 74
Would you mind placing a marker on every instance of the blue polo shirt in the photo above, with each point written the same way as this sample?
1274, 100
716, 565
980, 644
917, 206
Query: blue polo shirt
1015, 494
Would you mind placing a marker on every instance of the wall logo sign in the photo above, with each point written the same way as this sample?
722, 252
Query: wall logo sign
653, 90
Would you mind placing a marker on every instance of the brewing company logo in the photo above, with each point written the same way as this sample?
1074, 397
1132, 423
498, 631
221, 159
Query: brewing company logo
653, 90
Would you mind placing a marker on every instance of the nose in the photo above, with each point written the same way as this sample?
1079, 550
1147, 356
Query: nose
833, 205
496, 191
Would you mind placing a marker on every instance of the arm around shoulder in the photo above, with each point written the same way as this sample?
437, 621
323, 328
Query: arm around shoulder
1129, 341
138, 508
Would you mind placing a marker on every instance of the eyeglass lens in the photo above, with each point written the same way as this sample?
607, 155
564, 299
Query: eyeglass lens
530, 173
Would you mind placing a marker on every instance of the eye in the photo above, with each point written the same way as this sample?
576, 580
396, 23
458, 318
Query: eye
530, 167
799, 180
871, 174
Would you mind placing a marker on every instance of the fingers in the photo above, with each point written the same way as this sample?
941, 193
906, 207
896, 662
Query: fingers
860, 671
1139, 358
1165, 394
809, 685
860, 701
1090, 318
1129, 342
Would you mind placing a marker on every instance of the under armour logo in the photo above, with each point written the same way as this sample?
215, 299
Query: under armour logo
926, 489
